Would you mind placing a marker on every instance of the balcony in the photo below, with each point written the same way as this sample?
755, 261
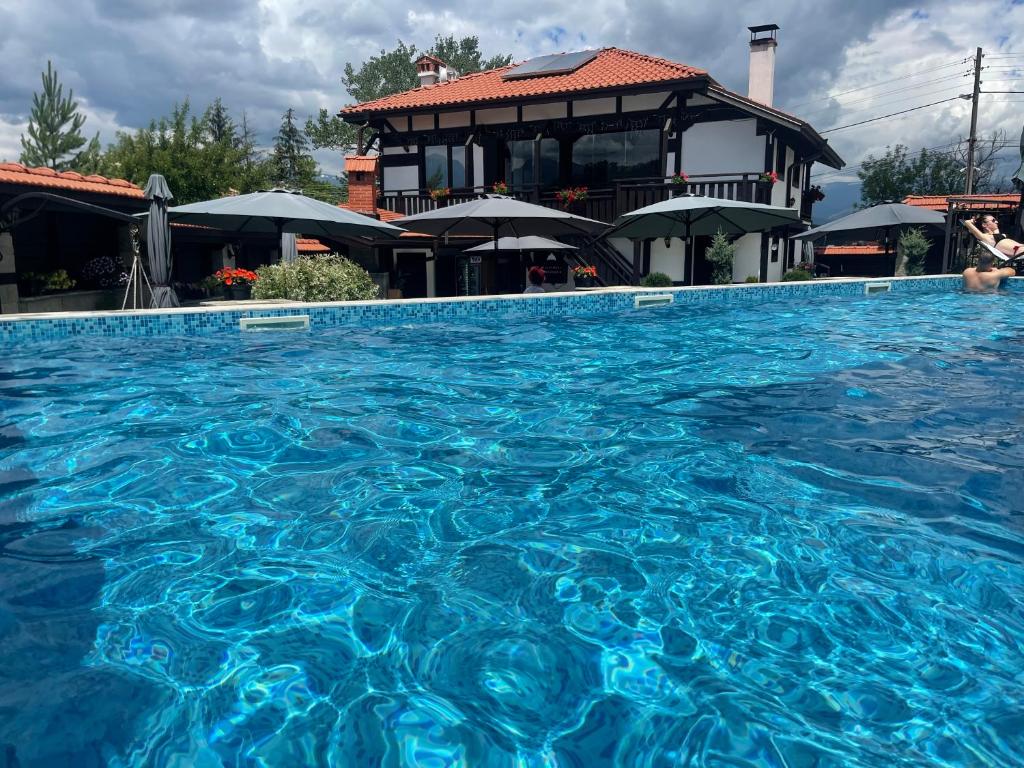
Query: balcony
604, 203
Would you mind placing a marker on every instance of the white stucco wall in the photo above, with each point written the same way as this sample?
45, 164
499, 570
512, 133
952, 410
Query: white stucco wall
747, 259
668, 260
478, 166
730, 146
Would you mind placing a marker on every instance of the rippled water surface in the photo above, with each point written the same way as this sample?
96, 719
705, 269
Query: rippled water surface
784, 535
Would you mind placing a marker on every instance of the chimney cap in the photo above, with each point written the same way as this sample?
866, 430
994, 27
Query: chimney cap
770, 28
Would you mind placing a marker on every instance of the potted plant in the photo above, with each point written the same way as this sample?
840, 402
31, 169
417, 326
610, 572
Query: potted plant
768, 177
237, 282
439, 194
500, 188
680, 178
584, 275
816, 193
571, 195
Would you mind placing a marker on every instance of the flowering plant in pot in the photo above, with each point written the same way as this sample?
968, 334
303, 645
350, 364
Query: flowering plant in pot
440, 193
584, 275
816, 193
571, 195
500, 188
237, 282
769, 176
680, 178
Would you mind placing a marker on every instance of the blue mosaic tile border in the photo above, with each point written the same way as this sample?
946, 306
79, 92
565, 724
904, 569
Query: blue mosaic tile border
213, 321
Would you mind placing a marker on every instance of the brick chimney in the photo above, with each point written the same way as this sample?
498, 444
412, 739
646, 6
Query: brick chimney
762, 63
362, 183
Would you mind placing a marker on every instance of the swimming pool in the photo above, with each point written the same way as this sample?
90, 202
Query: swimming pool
782, 534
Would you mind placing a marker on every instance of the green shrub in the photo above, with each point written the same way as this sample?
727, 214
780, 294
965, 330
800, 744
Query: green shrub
752, 279
657, 280
913, 247
315, 278
720, 255
796, 274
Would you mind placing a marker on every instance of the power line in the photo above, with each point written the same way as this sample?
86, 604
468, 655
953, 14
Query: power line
873, 97
891, 114
850, 168
886, 82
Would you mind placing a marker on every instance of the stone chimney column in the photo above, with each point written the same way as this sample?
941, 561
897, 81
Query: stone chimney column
429, 70
761, 86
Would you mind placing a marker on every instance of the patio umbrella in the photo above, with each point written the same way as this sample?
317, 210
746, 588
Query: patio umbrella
289, 248
496, 216
158, 242
694, 215
279, 211
882, 216
522, 244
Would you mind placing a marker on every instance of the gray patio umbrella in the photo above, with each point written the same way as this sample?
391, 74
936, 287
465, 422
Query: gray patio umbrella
279, 211
883, 216
158, 242
497, 216
289, 248
694, 215
529, 243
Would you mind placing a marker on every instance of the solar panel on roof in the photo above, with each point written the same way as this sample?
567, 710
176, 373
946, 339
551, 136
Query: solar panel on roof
553, 64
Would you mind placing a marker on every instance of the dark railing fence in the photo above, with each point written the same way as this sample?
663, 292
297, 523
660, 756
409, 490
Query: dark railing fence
602, 203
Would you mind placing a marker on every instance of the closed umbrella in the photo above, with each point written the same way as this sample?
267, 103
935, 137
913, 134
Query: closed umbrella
1018, 182
158, 242
289, 248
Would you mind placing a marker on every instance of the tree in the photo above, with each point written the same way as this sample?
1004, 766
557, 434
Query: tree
395, 71
464, 55
331, 132
54, 127
390, 72
912, 248
219, 123
896, 175
293, 166
720, 255
255, 169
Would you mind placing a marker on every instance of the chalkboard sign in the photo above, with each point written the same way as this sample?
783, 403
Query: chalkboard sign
554, 271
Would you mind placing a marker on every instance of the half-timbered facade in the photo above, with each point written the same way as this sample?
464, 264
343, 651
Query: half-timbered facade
630, 128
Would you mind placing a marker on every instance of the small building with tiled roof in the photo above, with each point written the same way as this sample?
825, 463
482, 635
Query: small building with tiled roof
57, 249
632, 128
994, 201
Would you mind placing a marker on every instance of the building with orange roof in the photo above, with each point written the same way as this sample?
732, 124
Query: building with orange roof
51, 235
631, 128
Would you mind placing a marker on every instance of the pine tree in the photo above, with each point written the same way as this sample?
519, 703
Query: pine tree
219, 123
720, 255
54, 128
293, 166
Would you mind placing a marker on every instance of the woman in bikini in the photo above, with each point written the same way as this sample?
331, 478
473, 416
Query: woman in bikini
986, 229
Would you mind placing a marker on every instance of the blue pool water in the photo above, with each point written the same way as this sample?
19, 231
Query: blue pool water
783, 535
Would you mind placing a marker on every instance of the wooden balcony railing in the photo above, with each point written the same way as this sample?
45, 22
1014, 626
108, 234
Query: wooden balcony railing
602, 203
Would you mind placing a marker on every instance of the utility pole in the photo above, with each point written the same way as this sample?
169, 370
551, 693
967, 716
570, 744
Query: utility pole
973, 138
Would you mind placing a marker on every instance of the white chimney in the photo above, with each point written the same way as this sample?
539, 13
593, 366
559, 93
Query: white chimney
762, 63
431, 70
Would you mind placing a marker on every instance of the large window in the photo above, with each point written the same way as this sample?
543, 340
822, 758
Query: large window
521, 163
445, 166
603, 157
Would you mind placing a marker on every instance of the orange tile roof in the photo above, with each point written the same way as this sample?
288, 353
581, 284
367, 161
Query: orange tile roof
941, 202
357, 163
850, 250
611, 68
16, 173
310, 245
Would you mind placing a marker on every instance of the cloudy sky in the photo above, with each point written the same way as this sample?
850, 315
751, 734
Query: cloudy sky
839, 62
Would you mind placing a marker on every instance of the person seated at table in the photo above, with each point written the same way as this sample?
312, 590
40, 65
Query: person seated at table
986, 229
536, 277
985, 277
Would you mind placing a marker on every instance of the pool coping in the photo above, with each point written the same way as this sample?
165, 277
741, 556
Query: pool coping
203, 320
